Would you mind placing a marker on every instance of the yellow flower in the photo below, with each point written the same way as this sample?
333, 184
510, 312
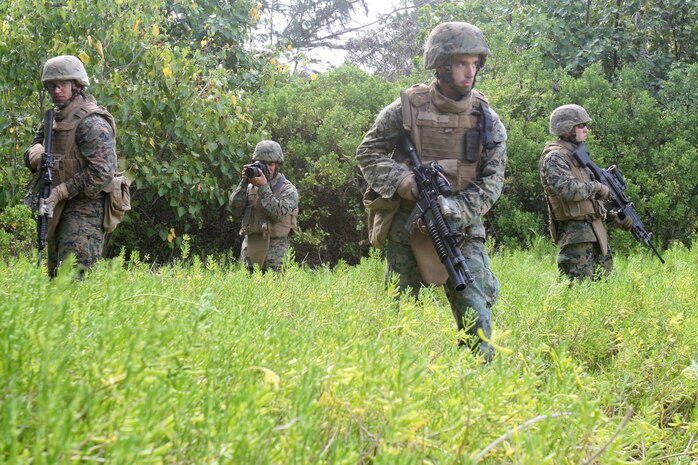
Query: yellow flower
167, 70
270, 378
84, 57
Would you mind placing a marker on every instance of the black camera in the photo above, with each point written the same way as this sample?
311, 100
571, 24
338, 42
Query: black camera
256, 169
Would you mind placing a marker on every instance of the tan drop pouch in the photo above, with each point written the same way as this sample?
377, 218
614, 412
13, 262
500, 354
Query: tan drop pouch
257, 248
381, 212
116, 203
430, 266
601, 235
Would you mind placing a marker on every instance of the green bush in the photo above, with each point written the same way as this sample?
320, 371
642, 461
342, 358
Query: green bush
17, 231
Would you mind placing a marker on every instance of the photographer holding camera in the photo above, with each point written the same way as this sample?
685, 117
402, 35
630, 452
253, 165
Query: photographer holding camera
268, 204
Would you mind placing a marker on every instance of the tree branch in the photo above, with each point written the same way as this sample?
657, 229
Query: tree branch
622, 425
511, 432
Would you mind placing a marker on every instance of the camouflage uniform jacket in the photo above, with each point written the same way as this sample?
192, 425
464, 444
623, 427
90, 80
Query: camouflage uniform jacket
384, 167
572, 187
88, 132
275, 203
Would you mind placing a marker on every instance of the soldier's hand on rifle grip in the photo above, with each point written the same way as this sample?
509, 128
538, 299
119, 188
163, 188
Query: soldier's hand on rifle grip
34, 157
408, 189
421, 226
603, 193
625, 224
450, 210
58, 193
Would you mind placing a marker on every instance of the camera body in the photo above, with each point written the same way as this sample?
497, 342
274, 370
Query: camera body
256, 169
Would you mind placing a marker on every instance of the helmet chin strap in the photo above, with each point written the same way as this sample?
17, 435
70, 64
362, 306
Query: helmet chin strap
448, 79
570, 137
75, 91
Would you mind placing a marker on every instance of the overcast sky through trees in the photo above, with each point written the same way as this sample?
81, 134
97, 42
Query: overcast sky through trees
330, 58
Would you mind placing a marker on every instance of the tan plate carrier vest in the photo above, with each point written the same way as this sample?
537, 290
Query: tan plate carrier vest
440, 129
259, 228
583, 210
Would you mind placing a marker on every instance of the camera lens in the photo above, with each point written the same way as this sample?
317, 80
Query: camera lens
252, 172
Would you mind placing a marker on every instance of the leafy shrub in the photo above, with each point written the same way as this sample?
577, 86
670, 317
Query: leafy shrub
17, 231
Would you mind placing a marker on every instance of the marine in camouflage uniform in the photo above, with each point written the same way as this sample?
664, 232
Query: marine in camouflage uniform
444, 120
575, 200
269, 210
83, 145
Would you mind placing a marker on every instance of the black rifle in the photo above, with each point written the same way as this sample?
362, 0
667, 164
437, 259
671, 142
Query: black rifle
432, 183
620, 203
45, 182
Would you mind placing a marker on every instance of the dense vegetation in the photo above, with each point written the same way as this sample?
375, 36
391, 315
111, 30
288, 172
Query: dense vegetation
199, 362
192, 91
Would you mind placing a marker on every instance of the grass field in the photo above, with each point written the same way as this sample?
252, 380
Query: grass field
201, 363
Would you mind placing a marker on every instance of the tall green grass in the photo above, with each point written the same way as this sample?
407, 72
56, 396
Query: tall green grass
206, 364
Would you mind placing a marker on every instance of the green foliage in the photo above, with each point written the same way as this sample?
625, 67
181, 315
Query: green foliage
319, 123
211, 364
17, 231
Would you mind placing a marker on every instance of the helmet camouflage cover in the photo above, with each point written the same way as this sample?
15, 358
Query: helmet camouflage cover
452, 38
268, 150
564, 118
64, 68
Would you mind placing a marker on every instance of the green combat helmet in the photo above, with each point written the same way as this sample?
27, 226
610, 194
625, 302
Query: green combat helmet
268, 150
564, 118
65, 68
451, 38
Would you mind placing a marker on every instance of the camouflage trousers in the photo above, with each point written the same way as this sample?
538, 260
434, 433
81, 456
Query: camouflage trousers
79, 232
584, 260
471, 308
275, 255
